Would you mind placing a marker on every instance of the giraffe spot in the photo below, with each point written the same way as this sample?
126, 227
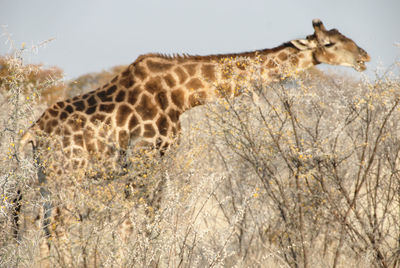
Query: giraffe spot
120, 96
123, 139
114, 79
76, 152
78, 139
197, 98
208, 72
181, 74
41, 124
66, 131
162, 99
126, 72
91, 110
79, 105
75, 98
174, 115
104, 96
108, 121
153, 85
58, 131
111, 90
85, 96
127, 81
178, 98
100, 146
97, 118
90, 147
133, 95
140, 72
294, 61
92, 100
155, 66
133, 121
122, 114
77, 122
149, 131
271, 64
194, 84
69, 109
282, 56
169, 79
162, 124
107, 108
53, 113
146, 109
60, 104
190, 68
174, 131
50, 125
66, 141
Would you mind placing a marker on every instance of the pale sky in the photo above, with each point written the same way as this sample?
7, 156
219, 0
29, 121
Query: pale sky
94, 35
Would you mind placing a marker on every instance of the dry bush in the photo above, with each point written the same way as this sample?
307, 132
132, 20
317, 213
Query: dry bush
301, 173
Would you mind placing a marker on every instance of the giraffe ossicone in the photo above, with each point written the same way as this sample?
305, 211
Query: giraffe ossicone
142, 105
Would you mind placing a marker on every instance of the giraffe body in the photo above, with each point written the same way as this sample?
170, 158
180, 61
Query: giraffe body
142, 105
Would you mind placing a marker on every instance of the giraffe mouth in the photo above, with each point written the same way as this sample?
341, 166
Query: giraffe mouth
360, 66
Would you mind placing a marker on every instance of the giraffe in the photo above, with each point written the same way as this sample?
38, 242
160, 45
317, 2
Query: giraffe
141, 106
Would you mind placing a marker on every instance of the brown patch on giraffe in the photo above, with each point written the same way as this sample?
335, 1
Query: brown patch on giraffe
181, 74
97, 118
126, 72
149, 131
127, 81
92, 100
79, 105
178, 98
66, 141
282, 56
155, 66
114, 80
133, 95
100, 146
50, 125
294, 61
190, 68
197, 98
146, 109
271, 64
107, 108
77, 122
123, 139
162, 99
41, 124
91, 110
208, 71
78, 139
53, 113
90, 147
69, 109
85, 96
169, 79
60, 104
154, 85
133, 122
162, 124
139, 72
120, 96
194, 84
122, 114
174, 115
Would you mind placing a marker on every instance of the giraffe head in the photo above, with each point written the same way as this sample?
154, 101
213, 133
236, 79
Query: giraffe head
332, 47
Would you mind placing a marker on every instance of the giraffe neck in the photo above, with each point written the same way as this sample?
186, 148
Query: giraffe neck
195, 80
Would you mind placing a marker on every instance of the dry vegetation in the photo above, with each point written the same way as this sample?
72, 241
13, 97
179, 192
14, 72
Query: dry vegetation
302, 173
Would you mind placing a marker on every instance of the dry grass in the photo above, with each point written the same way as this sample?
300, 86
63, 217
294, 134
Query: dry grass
304, 173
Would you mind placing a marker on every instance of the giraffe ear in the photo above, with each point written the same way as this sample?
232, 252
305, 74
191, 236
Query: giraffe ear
320, 32
303, 44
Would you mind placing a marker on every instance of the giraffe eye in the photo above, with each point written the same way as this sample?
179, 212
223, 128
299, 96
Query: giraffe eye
330, 45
